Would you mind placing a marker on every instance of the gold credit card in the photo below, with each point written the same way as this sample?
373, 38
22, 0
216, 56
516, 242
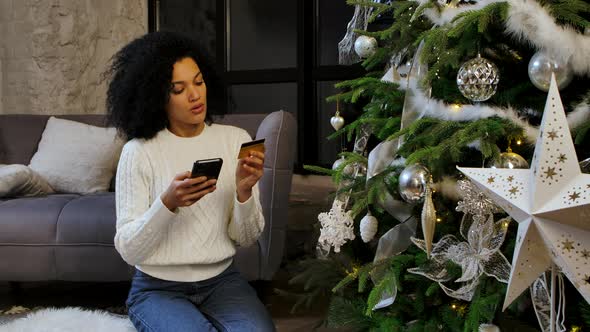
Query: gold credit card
246, 148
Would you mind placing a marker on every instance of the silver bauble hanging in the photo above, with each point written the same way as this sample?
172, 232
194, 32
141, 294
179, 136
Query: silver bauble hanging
510, 160
355, 169
338, 162
362, 170
478, 79
348, 169
365, 46
368, 227
542, 65
359, 167
412, 183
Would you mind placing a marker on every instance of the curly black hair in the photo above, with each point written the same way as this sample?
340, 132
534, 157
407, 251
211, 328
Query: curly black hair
140, 75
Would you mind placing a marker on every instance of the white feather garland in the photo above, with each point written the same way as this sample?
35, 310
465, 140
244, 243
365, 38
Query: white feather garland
438, 109
530, 22
449, 13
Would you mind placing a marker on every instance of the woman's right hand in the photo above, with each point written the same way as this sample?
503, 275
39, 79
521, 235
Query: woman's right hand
184, 191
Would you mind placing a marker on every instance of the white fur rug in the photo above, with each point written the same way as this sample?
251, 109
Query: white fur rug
69, 320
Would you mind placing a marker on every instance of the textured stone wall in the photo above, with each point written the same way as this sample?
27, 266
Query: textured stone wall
53, 52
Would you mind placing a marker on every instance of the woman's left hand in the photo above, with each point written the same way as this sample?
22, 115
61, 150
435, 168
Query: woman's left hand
248, 172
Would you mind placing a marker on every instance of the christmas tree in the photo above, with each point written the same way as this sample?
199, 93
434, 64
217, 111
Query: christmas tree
413, 244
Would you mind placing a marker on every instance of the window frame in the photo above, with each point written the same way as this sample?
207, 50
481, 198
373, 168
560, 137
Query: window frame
306, 74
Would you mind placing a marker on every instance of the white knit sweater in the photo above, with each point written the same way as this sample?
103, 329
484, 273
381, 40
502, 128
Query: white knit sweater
192, 243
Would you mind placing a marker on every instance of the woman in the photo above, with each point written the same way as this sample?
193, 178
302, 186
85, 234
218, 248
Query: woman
180, 232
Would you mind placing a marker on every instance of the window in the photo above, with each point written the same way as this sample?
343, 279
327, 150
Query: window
273, 55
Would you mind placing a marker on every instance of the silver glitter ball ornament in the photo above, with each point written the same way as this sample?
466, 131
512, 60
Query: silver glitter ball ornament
542, 65
365, 46
478, 79
412, 183
509, 159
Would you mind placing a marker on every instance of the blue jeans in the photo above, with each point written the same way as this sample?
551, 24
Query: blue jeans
223, 303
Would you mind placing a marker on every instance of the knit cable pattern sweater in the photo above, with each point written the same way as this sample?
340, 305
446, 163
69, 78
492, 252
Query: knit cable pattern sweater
192, 243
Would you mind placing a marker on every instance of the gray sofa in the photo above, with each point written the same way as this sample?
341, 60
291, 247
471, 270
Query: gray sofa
70, 237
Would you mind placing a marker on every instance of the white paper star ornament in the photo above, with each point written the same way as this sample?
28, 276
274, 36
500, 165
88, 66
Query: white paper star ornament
550, 201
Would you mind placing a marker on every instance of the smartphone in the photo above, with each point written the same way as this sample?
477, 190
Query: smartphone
207, 167
257, 145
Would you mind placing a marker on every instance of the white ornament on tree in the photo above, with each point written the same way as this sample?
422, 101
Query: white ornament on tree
365, 46
337, 121
488, 328
550, 201
337, 163
368, 227
359, 21
336, 227
478, 255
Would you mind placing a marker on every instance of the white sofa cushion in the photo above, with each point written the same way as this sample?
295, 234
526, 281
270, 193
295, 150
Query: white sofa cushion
77, 158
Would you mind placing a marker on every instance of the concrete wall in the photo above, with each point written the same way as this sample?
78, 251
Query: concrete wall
52, 52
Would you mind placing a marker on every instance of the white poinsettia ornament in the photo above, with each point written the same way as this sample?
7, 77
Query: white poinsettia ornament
478, 255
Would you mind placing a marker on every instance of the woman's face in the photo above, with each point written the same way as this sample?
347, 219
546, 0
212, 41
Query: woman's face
187, 105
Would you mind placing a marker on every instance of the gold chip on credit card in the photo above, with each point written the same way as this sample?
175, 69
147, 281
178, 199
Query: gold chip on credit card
246, 148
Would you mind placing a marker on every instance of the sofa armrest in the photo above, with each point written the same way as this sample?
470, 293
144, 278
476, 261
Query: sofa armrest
280, 131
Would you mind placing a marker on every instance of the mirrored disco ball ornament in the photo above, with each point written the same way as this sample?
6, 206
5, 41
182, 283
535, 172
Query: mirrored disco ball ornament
412, 183
509, 159
478, 79
365, 46
542, 65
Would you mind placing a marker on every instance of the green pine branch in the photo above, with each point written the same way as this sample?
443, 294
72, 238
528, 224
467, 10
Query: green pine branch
482, 307
446, 47
316, 278
442, 144
571, 12
349, 313
585, 313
